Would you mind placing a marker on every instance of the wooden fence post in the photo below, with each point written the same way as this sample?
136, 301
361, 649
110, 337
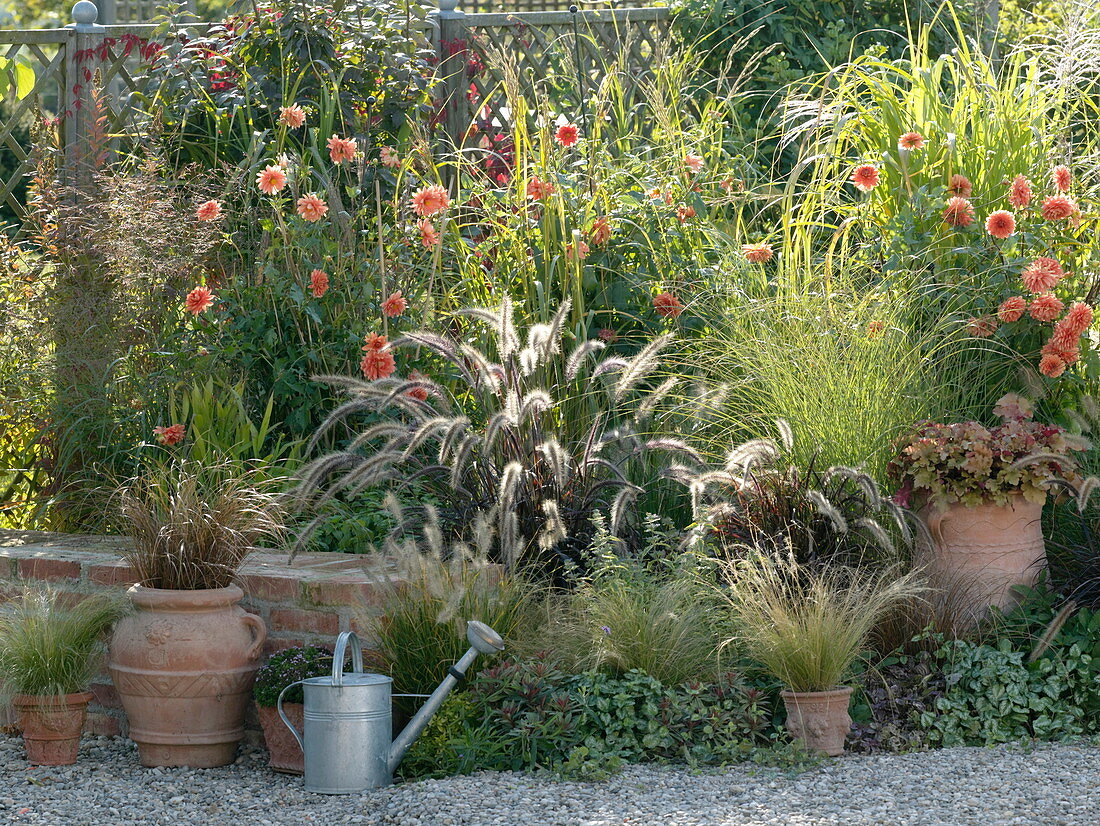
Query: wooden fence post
454, 82
82, 57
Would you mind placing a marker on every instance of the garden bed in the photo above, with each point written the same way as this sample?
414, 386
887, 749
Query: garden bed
1051, 783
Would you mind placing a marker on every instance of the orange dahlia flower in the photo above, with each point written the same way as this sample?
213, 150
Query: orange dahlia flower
318, 283
395, 305
1000, 224
198, 300
1012, 309
271, 179
292, 116
429, 200
667, 305
209, 211
1045, 307
312, 208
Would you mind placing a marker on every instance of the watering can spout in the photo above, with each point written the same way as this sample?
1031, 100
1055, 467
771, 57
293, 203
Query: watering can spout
483, 640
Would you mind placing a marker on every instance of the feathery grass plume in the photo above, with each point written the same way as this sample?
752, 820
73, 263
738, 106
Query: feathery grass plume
191, 526
431, 591
50, 645
764, 497
533, 453
805, 626
1052, 629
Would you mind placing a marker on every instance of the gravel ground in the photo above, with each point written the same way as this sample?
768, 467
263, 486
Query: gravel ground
1049, 784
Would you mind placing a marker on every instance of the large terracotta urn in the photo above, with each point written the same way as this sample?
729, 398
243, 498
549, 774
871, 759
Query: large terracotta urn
51, 726
819, 719
183, 665
984, 550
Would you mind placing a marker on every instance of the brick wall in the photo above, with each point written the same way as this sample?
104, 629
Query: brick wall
309, 602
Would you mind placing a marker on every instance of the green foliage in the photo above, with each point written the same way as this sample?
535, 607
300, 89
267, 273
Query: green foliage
286, 667
50, 645
216, 97
527, 714
220, 428
436, 752
421, 630
876, 368
645, 613
995, 696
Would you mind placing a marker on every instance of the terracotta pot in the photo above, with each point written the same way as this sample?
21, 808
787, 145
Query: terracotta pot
51, 726
984, 550
819, 718
183, 665
283, 752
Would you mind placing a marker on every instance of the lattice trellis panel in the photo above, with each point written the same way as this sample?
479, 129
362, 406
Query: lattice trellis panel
552, 68
44, 52
63, 74
520, 6
135, 11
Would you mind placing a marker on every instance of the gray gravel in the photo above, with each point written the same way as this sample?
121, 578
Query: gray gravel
1049, 784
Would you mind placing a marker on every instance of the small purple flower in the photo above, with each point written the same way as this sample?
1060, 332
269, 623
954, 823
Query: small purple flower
606, 630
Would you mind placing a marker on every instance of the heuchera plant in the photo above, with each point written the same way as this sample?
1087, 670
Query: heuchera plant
942, 464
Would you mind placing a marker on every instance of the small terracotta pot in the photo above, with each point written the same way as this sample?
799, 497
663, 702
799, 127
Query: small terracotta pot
283, 752
819, 718
984, 550
183, 665
51, 726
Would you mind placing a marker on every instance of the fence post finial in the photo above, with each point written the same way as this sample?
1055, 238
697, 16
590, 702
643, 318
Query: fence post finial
85, 13
448, 5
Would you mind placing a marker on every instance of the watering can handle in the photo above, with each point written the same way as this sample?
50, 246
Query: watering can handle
286, 720
338, 657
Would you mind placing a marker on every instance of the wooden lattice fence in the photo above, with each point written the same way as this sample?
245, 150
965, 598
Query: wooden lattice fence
86, 74
551, 59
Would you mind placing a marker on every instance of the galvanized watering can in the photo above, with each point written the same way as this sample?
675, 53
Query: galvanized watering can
348, 726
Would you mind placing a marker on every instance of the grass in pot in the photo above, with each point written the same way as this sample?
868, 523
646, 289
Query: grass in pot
184, 662
287, 667
49, 652
806, 627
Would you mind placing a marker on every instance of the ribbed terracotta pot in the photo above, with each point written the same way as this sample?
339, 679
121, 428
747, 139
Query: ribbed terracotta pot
183, 665
984, 549
283, 752
819, 719
51, 726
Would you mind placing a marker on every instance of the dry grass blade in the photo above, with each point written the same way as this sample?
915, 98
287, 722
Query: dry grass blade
192, 527
807, 627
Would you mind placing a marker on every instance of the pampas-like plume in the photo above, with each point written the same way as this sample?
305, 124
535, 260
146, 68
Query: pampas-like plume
558, 460
675, 446
654, 398
641, 365
1068, 610
828, 510
579, 354
553, 530
455, 429
754, 450
534, 403
507, 337
609, 365
510, 480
